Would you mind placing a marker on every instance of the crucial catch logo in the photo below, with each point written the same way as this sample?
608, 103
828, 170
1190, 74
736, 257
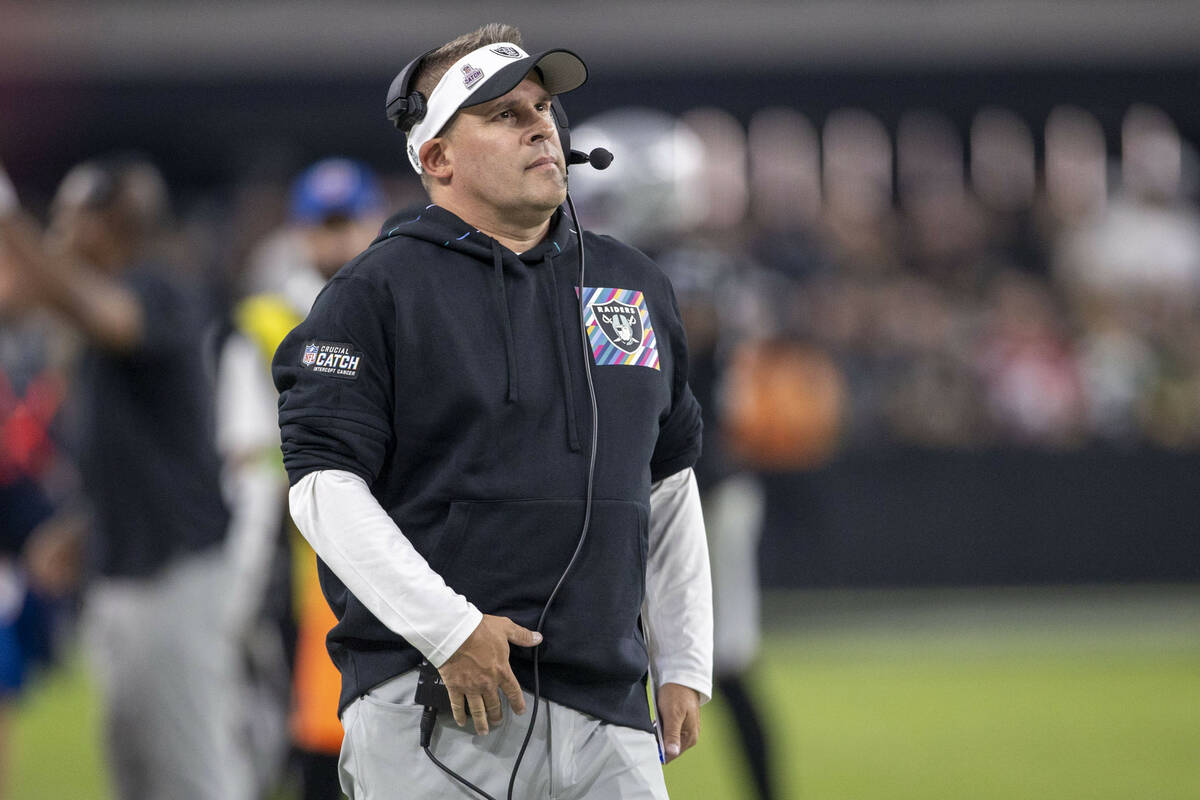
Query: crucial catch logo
331, 358
471, 75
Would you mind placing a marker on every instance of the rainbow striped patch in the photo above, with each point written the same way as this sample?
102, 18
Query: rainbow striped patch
619, 329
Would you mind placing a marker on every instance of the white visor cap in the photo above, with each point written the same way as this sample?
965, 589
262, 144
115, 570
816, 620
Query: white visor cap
485, 74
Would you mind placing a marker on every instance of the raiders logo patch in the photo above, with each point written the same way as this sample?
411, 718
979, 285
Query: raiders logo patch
331, 358
507, 52
619, 329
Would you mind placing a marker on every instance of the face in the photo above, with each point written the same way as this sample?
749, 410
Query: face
76, 228
81, 233
336, 241
502, 157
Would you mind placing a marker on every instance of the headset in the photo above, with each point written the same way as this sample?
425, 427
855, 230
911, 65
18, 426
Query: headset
405, 108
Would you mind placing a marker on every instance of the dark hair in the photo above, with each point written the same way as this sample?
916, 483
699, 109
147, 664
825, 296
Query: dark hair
434, 65
126, 186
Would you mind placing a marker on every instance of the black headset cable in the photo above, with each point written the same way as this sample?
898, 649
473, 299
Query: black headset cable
587, 512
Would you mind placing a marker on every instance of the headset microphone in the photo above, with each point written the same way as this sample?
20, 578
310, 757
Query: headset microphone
598, 158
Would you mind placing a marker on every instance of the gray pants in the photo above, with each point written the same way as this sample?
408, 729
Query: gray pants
571, 755
166, 674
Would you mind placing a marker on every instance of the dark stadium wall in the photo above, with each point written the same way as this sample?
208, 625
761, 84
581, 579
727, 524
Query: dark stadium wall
207, 133
909, 517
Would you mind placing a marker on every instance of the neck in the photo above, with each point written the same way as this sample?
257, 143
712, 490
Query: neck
515, 233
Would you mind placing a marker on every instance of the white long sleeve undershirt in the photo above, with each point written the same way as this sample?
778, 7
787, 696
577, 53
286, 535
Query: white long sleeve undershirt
384, 571
678, 611
356, 539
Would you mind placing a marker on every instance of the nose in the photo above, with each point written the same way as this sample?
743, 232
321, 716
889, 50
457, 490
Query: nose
542, 127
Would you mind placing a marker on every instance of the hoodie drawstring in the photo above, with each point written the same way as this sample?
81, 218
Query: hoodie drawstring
564, 365
510, 353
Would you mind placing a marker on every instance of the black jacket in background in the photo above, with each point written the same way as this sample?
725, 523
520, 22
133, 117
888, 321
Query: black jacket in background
146, 447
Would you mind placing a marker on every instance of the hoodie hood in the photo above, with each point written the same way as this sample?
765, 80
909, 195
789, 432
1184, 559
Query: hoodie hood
436, 225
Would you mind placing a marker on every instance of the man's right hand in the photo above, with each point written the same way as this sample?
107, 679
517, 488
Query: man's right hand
479, 670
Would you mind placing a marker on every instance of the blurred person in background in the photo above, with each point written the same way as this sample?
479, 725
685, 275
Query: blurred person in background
153, 619
39, 534
38, 541
858, 224
336, 207
933, 399
1131, 272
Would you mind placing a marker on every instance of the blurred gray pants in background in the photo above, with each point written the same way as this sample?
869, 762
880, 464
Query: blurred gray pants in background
166, 672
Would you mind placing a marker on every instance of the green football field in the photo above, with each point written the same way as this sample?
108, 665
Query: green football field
963, 694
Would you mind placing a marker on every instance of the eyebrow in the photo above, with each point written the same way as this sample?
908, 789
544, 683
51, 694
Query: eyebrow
500, 104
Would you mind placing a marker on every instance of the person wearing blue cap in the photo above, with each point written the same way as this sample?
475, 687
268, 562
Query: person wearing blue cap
336, 206
490, 447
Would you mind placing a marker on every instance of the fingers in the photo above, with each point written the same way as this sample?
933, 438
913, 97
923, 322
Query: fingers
479, 713
512, 690
480, 667
457, 708
679, 712
689, 733
680, 735
474, 707
495, 712
523, 636
672, 723
483, 709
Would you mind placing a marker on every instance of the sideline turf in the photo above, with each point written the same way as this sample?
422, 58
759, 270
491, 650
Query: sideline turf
967, 695
972, 695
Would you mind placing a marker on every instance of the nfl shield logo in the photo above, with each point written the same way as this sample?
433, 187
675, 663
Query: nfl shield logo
471, 75
310, 355
621, 323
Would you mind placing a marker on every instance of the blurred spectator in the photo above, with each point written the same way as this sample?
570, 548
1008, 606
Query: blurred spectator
858, 224
336, 209
944, 226
785, 170
162, 659
1004, 180
38, 543
1033, 389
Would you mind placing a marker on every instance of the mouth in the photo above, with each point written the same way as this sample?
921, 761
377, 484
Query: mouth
544, 161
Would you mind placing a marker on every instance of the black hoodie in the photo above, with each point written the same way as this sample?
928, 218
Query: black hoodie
447, 372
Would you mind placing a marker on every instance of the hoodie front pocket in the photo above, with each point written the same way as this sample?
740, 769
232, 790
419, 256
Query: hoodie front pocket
507, 556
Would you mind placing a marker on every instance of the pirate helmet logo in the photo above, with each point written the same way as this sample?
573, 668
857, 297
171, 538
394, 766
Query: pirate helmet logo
621, 323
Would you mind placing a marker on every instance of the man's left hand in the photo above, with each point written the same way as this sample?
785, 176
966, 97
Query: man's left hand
679, 715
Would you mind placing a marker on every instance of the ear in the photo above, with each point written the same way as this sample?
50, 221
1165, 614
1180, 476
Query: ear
435, 158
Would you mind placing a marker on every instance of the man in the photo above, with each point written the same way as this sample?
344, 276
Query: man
162, 661
336, 209
437, 429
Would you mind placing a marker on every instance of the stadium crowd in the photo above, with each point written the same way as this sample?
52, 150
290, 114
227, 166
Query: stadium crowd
845, 287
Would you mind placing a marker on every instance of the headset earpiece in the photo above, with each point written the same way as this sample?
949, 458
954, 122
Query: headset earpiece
405, 105
560, 121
